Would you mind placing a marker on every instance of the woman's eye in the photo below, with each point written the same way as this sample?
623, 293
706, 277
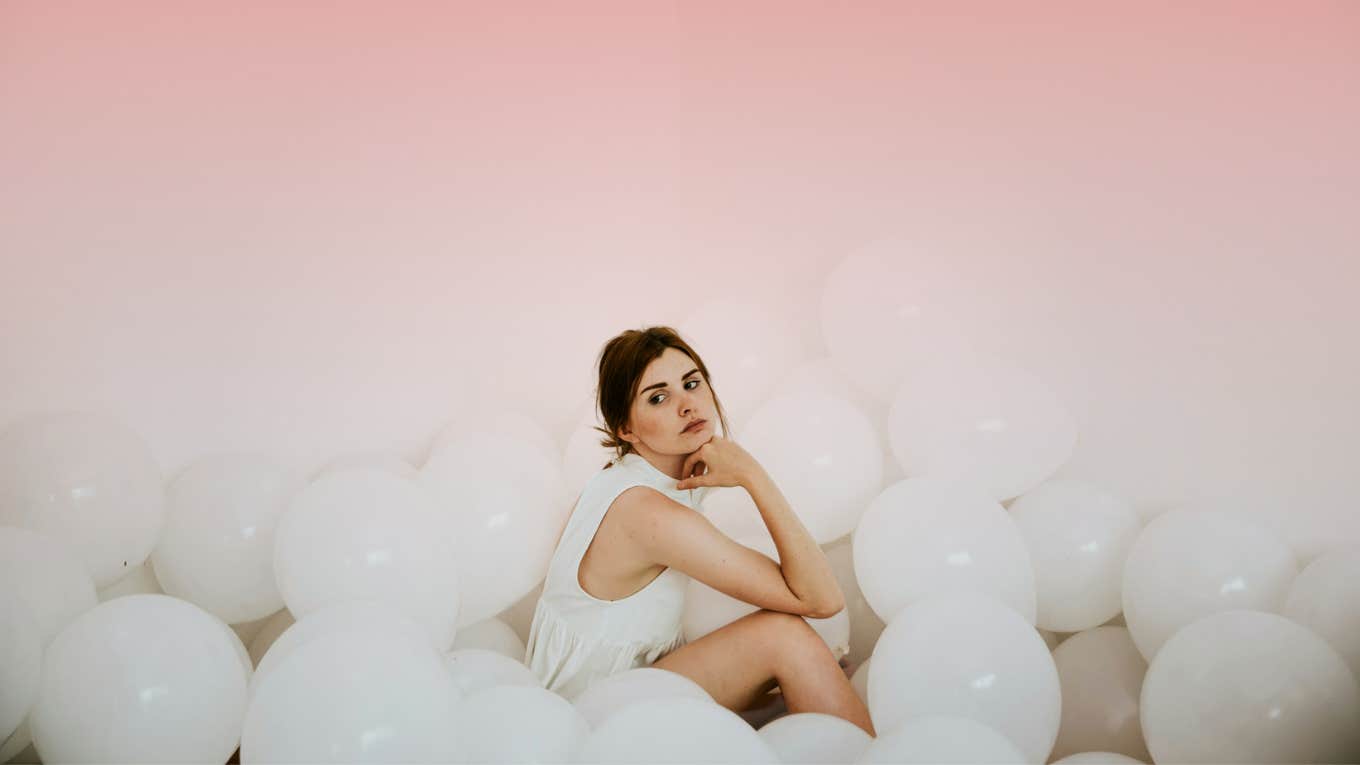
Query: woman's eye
656, 399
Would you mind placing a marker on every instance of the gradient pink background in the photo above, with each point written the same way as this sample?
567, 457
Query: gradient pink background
311, 229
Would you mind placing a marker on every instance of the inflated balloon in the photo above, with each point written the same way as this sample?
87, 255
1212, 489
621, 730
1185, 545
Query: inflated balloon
859, 680
247, 631
1325, 598
346, 616
1249, 686
242, 653
1187, 564
217, 548
141, 678
733, 512
865, 626
49, 578
824, 455
19, 746
516, 427
811, 738
381, 460
140, 580
1101, 672
747, 347
86, 480
493, 723
1098, 758
927, 535
888, 310
985, 422
368, 535
21, 653
622, 690
675, 730
1078, 536
967, 655
930, 739
475, 669
493, 635
504, 505
821, 375
353, 696
584, 455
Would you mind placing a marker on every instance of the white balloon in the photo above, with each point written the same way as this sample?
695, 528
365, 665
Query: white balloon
475, 669
142, 678
353, 696
865, 626
933, 739
812, 738
985, 422
733, 512
18, 748
927, 535
1078, 536
707, 609
345, 616
392, 463
247, 631
493, 723
584, 456
746, 346
1325, 598
48, 576
516, 427
859, 680
217, 548
1187, 564
824, 455
368, 535
622, 690
21, 653
675, 729
242, 654
887, 312
1101, 672
493, 635
1098, 758
86, 480
821, 375
1249, 686
503, 503
139, 580
968, 655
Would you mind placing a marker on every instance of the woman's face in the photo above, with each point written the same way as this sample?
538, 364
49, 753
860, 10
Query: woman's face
672, 394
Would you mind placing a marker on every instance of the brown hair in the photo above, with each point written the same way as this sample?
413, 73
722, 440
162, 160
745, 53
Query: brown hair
624, 358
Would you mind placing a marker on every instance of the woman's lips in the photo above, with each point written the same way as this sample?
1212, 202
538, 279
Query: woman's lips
695, 427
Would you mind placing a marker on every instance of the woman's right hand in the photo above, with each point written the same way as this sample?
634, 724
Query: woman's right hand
719, 462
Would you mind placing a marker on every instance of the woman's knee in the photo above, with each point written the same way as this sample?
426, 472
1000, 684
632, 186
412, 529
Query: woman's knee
789, 633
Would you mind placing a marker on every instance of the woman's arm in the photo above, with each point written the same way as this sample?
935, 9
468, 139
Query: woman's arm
805, 567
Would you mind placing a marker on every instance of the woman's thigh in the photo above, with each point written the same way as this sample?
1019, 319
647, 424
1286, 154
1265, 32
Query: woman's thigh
736, 663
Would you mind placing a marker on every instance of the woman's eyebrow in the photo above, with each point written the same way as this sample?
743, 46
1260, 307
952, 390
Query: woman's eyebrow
662, 384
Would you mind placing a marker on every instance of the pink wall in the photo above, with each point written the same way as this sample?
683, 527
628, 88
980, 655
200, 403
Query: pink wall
314, 230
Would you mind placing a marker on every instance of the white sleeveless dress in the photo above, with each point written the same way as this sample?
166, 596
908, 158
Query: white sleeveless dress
576, 638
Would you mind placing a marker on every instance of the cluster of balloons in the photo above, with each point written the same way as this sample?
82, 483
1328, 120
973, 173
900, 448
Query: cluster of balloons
361, 613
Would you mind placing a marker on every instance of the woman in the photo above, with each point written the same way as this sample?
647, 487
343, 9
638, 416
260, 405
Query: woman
615, 587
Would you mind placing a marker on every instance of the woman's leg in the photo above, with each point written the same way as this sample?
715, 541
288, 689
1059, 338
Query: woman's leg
739, 663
